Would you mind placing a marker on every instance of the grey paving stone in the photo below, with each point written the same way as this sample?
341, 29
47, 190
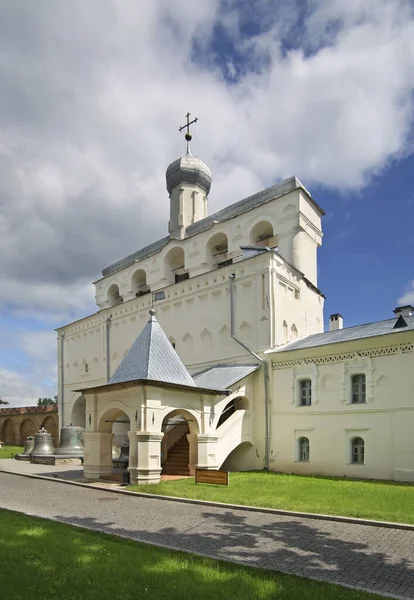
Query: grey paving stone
373, 558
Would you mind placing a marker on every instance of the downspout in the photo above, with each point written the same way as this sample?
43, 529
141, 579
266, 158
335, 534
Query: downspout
108, 350
62, 378
265, 372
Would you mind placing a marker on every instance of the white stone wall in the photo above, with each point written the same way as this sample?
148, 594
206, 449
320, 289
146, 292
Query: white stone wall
384, 422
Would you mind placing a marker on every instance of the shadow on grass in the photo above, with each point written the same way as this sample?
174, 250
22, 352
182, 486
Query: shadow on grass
44, 560
320, 551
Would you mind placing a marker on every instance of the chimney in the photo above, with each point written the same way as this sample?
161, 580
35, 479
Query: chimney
336, 322
404, 311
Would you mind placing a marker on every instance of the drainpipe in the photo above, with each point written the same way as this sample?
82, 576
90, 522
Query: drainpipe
108, 355
62, 378
265, 372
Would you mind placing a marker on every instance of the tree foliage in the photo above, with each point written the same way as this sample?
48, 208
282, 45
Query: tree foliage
47, 401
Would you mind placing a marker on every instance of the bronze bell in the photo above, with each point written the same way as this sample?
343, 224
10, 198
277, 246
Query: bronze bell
28, 446
71, 442
43, 444
122, 461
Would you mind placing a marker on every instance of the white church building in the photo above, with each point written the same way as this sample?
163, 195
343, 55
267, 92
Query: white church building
208, 350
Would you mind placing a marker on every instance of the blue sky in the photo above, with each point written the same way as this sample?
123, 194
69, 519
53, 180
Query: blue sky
93, 94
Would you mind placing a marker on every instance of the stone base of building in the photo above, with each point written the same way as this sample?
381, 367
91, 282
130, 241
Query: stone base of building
56, 460
144, 476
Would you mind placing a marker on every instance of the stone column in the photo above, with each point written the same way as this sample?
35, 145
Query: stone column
207, 451
98, 454
148, 468
193, 452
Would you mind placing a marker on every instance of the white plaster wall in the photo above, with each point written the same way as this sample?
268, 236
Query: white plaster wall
384, 421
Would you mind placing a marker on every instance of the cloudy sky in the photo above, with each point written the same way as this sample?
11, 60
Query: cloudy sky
91, 97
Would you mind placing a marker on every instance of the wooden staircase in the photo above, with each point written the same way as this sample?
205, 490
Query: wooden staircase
177, 458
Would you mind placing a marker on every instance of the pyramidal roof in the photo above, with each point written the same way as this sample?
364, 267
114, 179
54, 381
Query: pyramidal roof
152, 357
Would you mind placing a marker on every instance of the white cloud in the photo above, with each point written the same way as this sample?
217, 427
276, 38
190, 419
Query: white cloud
408, 295
93, 94
17, 390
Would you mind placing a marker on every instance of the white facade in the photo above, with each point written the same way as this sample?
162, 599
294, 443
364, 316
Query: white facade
276, 302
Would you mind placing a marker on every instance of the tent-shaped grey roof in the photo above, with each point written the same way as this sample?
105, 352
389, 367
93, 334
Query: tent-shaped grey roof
222, 376
153, 358
347, 334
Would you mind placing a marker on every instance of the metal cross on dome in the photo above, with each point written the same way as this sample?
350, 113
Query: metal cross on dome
188, 136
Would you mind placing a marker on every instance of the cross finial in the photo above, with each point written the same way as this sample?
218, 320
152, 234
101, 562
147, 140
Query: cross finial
188, 136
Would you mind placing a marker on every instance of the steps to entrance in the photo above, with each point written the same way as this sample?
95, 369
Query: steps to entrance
177, 459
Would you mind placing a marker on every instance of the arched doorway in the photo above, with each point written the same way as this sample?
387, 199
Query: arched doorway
116, 422
51, 427
78, 417
7, 433
26, 428
179, 444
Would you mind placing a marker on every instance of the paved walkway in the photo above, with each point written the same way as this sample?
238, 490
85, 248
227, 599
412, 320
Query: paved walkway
373, 558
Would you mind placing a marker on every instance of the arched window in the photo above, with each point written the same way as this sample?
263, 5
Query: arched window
294, 332
358, 451
285, 332
358, 389
305, 392
303, 443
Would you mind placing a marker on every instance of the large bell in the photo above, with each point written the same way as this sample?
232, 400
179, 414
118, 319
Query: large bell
71, 442
43, 444
122, 461
28, 447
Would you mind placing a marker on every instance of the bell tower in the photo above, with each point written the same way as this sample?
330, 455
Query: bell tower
188, 184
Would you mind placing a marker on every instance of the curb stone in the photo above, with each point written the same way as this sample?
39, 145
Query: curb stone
259, 509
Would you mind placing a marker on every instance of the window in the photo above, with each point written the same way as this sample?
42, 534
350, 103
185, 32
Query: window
358, 389
357, 451
303, 449
86, 368
305, 392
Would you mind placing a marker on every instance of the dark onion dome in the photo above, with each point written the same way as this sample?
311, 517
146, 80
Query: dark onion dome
188, 169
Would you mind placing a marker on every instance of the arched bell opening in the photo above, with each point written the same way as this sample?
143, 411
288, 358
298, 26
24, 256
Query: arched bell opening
179, 443
26, 428
218, 251
78, 416
262, 234
139, 283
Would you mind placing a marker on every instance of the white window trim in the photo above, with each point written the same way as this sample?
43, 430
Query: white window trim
350, 435
357, 365
301, 433
300, 372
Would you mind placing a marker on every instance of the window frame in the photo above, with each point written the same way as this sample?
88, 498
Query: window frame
305, 385
303, 443
360, 450
361, 388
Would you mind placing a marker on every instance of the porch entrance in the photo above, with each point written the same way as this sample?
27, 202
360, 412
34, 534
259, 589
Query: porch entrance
175, 447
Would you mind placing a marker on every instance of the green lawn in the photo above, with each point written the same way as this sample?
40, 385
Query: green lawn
44, 560
351, 498
7, 451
